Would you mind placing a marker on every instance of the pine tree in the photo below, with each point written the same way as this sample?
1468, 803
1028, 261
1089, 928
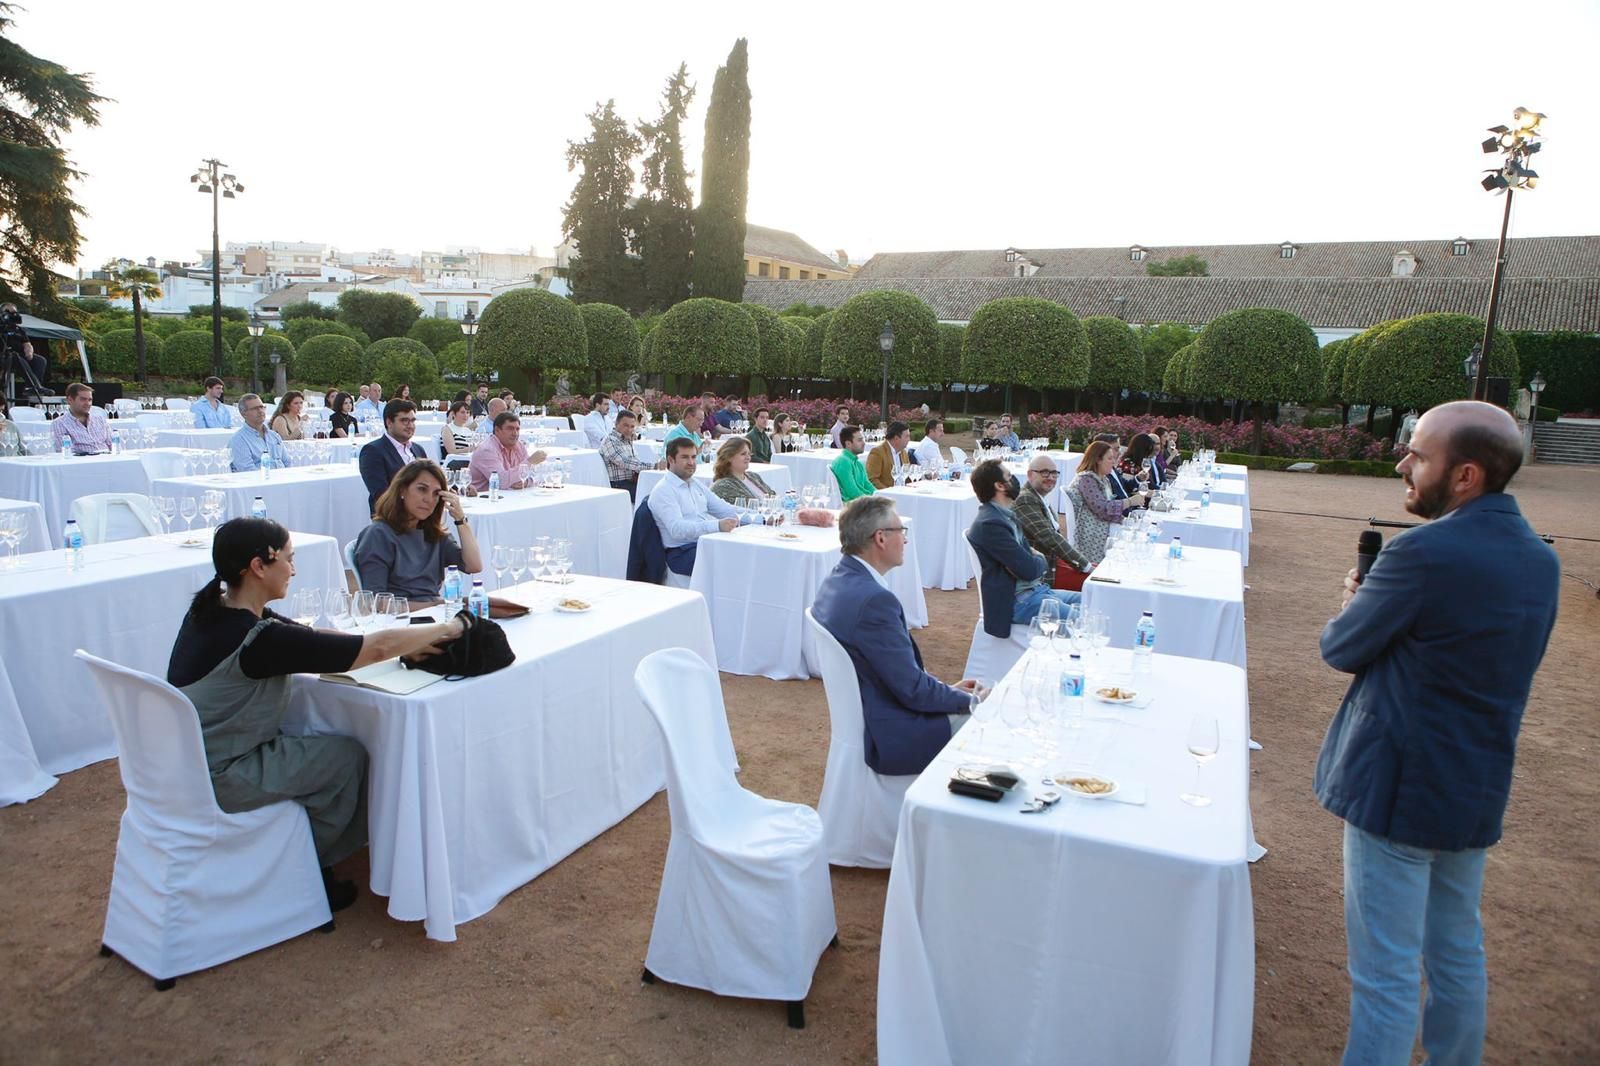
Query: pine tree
725, 191
39, 100
597, 216
664, 222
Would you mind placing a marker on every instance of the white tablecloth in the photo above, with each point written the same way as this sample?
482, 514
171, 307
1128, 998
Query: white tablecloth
596, 521
1097, 932
813, 468
329, 500
36, 535
587, 466
1201, 618
54, 482
478, 786
211, 440
126, 605
941, 513
758, 583
776, 477
1222, 526
559, 438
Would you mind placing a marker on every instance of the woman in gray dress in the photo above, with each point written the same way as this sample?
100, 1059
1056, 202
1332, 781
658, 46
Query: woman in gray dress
233, 658
732, 479
406, 549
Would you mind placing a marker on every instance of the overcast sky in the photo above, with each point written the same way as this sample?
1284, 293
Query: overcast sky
876, 127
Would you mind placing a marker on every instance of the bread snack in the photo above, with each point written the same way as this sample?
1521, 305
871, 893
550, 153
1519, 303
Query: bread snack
1088, 786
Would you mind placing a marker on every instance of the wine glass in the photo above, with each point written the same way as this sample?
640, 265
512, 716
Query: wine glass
561, 561
399, 611
11, 526
361, 608
539, 554
984, 710
381, 603
519, 564
500, 562
1203, 744
336, 604
306, 606
187, 510
1050, 617
166, 510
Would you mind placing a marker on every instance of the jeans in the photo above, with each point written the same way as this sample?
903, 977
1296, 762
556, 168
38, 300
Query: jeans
1404, 906
1027, 603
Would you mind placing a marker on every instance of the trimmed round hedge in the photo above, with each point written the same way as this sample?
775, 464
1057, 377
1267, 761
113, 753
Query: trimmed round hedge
329, 359
436, 334
1116, 359
396, 361
1175, 378
1417, 363
1333, 357
186, 355
705, 335
272, 340
1257, 354
115, 354
850, 348
1160, 343
300, 330
1023, 340
531, 329
810, 364
1354, 387
773, 344
613, 338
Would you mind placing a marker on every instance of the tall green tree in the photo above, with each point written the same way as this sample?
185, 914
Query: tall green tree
39, 101
1116, 361
598, 214
1259, 355
719, 226
378, 314
1023, 340
1182, 266
138, 284
664, 217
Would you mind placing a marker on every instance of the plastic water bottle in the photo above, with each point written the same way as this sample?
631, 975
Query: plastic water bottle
452, 590
258, 508
1205, 499
1073, 686
791, 508
66, 447
494, 487
1144, 641
478, 602
116, 442
266, 465
1174, 558
72, 540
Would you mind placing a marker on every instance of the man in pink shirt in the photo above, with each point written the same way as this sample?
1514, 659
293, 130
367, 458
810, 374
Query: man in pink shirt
502, 454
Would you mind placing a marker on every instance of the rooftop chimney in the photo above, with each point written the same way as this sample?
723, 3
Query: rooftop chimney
842, 256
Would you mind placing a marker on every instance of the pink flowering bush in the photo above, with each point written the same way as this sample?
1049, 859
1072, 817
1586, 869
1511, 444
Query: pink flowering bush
1298, 442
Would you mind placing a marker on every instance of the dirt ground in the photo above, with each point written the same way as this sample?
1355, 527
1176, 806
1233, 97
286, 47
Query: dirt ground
552, 974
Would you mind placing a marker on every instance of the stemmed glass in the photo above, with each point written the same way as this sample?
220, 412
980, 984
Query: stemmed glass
984, 710
187, 509
519, 564
167, 511
1203, 745
12, 526
337, 606
382, 602
500, 562
561, 561
361, 608
540, 556
306, 606
399, 613
1050, 617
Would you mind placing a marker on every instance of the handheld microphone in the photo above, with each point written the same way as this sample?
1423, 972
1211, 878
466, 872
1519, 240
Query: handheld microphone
1367, 548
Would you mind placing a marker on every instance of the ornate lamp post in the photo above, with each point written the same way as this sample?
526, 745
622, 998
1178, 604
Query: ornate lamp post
1536, 386
210, 179
1470, 365
1516, 144
886, 342
256, 328
469, 327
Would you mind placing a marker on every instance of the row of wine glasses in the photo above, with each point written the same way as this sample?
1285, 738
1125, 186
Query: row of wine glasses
205, 461
363, 611
546, 559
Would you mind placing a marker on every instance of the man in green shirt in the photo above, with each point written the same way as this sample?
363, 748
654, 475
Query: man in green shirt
847, 468
760, 442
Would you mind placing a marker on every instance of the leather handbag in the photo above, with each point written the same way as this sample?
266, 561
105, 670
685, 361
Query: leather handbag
482, 648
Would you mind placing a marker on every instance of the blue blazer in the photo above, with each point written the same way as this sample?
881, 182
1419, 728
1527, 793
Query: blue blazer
1005, 561
905, 708
379, 465
1444, 637
647, 557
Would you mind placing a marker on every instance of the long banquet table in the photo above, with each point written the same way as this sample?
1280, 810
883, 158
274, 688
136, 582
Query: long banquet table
1201, 617
1222, 526
125, 605
478, 786
1111, 930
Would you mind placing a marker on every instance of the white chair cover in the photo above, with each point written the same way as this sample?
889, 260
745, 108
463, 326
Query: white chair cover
105, 516
1069, 516
989, 657
746, 904
859, 807
20, 413
193, 887
957, 455
675, 580
177, 403
577, 422
350, 563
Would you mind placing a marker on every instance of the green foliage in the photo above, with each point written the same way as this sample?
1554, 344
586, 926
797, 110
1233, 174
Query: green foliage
1257, 354
810, 364
453, 359
436, 334
597, 215
1354, 387
330, 359
1116, 361
647, 353
1175, 378
1547, 414
307, 309
229, 314
664, 216
378, 314
165, 326
1417, 363
232, 334
186, 355
1333, 361
850, 348
1023, 340
613, 338
952, 349
1159, 343
719, 228
531, 329
114, 354
90, 304
1569, 363
707, 336
801, 308
396, 361
774, 358
273, 340
1360, 467
1183, 266
300, 330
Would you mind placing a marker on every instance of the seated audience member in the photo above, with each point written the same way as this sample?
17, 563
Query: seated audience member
456, 437
1131, 465
889, 458
848, 469
731, 414
1173, 453
1160, 456
88, 430
1122, 488
731, 477
782, 426
480, 402
597, 423
618, 454
688, 427
502, 454
209, 410
403, 392
370, 407
684, 509
233, 659
710, 428
253, 439
406, 548
509, 398
619, 404
991, 435
906, 710
640, 409
1094, 506
1008, 436
1012, 583
927, 450
327, 398
382, 458
841, 419
760, 442
1041, 528
342, 422
496, 406
287, 421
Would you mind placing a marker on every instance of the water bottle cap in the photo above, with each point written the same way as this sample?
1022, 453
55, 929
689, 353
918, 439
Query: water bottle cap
1149, 614
1075, 655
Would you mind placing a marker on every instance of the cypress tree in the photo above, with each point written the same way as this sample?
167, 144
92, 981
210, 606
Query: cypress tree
720, 221
664, 225
597, 215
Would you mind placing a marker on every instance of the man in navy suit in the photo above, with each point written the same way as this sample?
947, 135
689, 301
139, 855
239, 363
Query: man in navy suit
1012, 584
907, 710
382, 459
1443, 636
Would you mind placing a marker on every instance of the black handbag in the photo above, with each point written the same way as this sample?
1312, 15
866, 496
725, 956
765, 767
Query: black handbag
482, 648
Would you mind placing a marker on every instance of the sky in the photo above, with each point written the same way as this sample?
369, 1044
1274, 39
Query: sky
875, 126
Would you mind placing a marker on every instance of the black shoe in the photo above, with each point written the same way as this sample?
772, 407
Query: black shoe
341, 894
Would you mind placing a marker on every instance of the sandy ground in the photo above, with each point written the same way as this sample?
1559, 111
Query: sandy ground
552, 974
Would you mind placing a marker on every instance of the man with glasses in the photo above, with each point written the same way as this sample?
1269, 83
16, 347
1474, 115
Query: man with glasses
383, 458
254, 439
1010, 585
209, 411
906, 709
1032, 513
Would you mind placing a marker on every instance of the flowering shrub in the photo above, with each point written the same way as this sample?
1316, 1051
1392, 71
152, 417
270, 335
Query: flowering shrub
1336, 442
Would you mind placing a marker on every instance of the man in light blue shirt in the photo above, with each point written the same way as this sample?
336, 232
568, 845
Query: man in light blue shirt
254, 440
685, 509
370, 407
209, 411
1008, 436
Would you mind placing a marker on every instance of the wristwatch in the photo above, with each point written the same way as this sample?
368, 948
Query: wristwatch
461, 521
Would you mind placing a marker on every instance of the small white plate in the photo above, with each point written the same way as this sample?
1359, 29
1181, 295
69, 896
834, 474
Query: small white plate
194, 544
1107, 699
574, 610
1061, 783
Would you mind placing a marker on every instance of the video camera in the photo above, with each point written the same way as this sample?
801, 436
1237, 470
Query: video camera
11, 331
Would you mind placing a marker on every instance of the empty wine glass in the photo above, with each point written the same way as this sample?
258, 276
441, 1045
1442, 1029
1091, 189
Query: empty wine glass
539, 554
361, 608
166, 510
306, 606
1203, 744
399, 611
519, 564
336, 604
12, 524
984, 709
561, 561
1050, 617
381, 603
500, 562
187, 510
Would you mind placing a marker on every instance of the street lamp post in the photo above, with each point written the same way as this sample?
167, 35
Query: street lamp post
886, 342
210, 179
1536, 386
1470, 365
1517, 144
469, 327
256, 328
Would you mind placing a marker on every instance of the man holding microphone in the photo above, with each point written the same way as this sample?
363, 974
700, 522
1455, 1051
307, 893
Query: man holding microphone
1443, 635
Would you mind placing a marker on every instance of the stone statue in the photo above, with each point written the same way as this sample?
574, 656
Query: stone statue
633, 388
563, 386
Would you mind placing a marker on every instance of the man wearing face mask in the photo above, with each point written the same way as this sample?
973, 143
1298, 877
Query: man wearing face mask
1012, 584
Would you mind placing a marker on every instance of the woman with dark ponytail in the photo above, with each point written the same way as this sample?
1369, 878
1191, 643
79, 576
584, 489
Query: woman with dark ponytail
233, 658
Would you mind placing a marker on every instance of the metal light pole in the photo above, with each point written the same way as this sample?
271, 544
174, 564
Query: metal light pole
1517, 143
210, 179
886, 342
256, 327
469, 327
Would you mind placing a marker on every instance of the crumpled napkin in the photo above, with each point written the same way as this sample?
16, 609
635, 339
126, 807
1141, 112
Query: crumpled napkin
813, 516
